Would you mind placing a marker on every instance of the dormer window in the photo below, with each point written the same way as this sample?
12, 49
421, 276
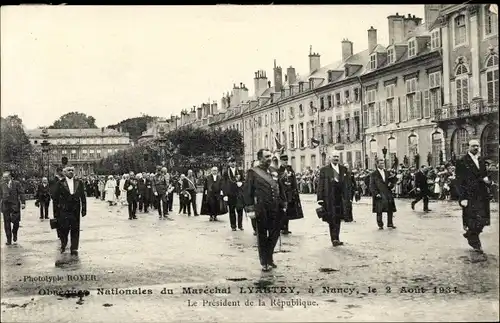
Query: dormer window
330, 76
373, 61
490, 21
391, 56
436, 39
412, 48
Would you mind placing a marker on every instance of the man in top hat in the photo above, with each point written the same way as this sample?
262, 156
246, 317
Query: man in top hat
333, 196
12, 201
70, 197
231, 192
472, 185
289, 181
213, 195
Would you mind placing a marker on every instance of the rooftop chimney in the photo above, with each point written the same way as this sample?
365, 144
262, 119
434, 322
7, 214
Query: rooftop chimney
291, 75
268, 83
396, 28
278, 78
372, 38
314, 61
260, 82
347, 49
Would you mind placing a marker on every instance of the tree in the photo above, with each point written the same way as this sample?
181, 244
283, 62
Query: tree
17, 153
134, 126
196, 148
74, 120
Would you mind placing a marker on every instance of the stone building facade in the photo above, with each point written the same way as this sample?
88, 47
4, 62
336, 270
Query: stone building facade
82, 147
469, 34
405, 99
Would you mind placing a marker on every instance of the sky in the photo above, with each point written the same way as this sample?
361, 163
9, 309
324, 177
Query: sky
119, 62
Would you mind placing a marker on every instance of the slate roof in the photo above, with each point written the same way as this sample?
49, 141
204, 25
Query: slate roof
63, 133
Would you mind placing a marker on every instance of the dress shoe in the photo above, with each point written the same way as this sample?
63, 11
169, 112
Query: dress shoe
234, 229
8, 243
273, 265
241, 229
211, 219
46, 218
74, 253
391, 226
266, 268
134, 218
336, 243
62, 249
130, 218
427, 210
413, 206
14, 238
381, 228
286, 232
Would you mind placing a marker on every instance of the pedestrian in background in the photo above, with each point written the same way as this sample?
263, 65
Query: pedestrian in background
13, 201
109, 190
42, 198
382, 198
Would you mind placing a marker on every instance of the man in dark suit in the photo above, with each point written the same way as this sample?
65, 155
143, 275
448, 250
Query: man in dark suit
42, 198
382, 199
12, 202
70, 197
160, 191
473, 182
231, 192
333, 196
422, 189
265, 201
190, 187
289, 181
214, 192
132, 196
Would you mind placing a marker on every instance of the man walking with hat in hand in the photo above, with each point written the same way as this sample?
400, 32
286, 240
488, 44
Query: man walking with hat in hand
70, 197
333, 196
473, 184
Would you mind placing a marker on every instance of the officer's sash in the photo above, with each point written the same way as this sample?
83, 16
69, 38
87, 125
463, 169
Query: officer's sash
265, 176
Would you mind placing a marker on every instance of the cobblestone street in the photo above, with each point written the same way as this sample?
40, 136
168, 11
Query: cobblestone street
426, 251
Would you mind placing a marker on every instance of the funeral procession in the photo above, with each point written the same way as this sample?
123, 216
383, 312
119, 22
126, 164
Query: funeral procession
360, 188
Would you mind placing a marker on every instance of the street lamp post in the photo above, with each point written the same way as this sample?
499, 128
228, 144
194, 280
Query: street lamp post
384, 152
162, 141
45, 152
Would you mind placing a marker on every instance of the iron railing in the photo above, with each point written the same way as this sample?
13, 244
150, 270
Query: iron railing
480, 107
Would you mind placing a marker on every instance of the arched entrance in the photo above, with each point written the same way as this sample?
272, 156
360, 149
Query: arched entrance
489, 142
460, 142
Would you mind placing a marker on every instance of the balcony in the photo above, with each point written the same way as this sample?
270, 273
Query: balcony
475, 108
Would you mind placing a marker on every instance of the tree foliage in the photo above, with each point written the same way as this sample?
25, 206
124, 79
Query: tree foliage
74, 120
190, 148
134, 126
17, 153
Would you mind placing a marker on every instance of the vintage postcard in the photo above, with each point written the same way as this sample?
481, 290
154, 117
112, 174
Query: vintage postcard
249, 163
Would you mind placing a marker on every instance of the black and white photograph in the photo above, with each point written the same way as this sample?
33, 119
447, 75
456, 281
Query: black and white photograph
253, 163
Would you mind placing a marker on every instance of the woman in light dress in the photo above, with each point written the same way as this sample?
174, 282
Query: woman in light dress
110, 190
123, 191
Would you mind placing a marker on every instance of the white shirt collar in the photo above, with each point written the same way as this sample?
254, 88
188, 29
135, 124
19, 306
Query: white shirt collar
473, 156
335, 166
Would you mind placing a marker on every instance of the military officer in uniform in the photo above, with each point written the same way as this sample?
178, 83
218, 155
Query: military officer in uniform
289, 181
266, 202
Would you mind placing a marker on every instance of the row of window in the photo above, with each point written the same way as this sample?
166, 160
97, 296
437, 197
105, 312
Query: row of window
82, 153
459, 32
325, 102
300, 135
85, 141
